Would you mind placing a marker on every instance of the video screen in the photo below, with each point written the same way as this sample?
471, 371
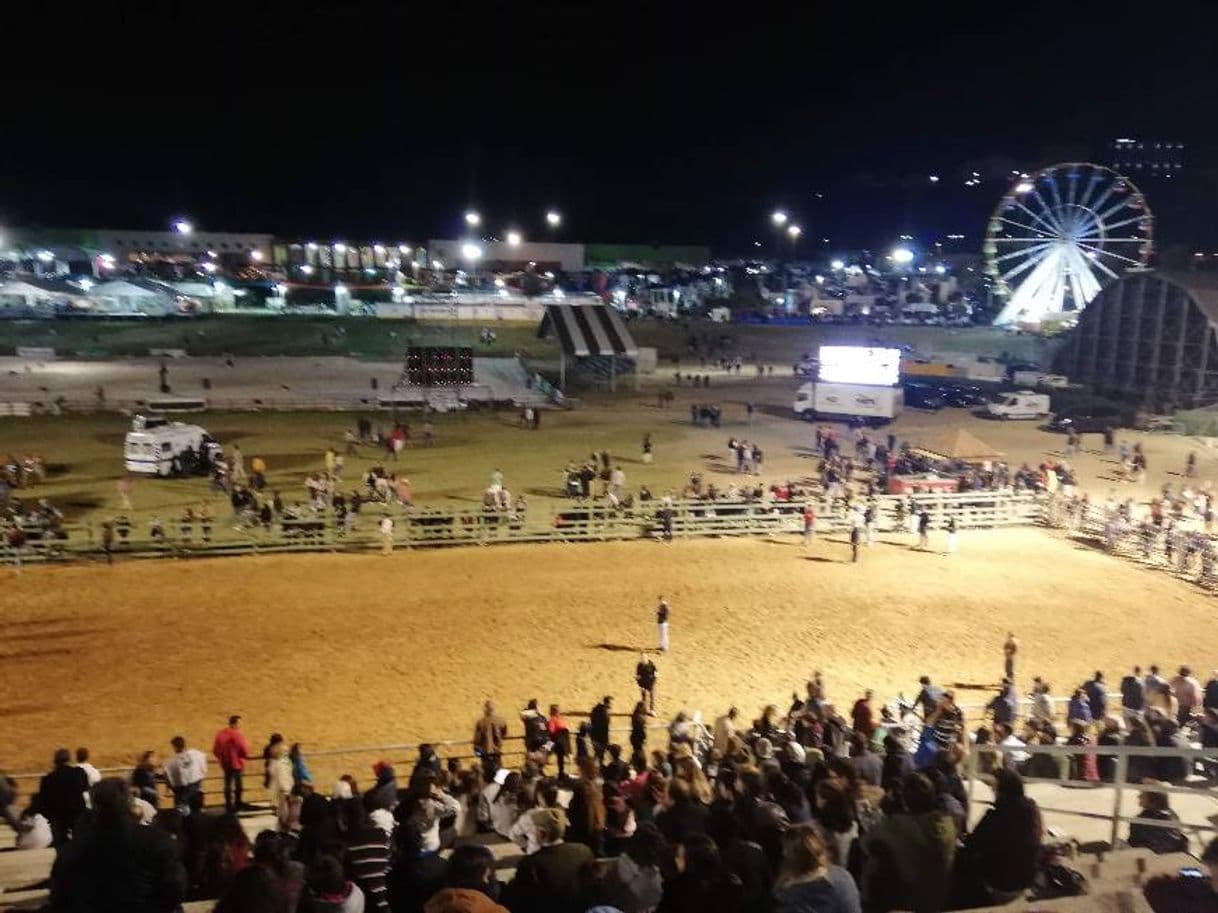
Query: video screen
859, 365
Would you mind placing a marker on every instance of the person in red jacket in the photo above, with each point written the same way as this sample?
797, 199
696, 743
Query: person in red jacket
231, 751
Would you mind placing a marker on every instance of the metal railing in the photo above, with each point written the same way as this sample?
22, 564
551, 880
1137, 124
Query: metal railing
574, 521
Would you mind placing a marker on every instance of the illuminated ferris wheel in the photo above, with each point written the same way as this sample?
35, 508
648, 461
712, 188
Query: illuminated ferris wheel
1059, 235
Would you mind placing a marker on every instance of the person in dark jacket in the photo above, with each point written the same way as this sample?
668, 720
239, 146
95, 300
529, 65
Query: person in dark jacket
743, 858
702, 885
1155, 807
550, 880
897, 763
598, 728
685, 816
869, 765
114, 864
384, 795
999, 859
61, 796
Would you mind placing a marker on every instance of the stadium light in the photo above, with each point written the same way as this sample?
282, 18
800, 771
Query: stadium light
514, 239
256, 256
794, 231
183, 226
472, 219
1023, 187
940, 269
404, 249
934, 179
553, 218
837, 264
902, 256
471, 251
778, 217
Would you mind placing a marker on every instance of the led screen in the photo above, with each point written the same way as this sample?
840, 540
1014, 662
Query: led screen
859, 365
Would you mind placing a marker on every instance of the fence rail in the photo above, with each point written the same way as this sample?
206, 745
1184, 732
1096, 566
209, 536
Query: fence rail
576, 521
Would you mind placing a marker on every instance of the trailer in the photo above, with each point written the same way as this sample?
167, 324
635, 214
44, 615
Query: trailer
872, 405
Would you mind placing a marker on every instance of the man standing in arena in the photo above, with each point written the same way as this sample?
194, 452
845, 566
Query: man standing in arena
645, 674
231, 751
489, 733
1009, 650
662, 624
598, 728
924, 529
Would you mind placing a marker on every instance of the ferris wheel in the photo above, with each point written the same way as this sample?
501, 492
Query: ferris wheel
1059, 235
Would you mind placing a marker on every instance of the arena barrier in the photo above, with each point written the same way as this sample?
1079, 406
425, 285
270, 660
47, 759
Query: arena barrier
1192, 554
573, 521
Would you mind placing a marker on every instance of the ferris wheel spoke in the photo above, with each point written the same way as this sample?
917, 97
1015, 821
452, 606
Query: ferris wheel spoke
1024, 251
1100, 252
1090, 188
1040, 231
1028, 264
1047, 213
1103, 197
1071, 188
1130, 221
1111, 210
1059, 209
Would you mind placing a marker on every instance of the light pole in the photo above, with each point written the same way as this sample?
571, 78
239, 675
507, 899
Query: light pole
472, 218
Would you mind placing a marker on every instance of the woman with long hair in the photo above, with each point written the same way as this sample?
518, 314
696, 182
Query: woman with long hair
835, 814
808, 879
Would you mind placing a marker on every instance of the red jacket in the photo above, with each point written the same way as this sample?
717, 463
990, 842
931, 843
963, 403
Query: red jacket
230, 748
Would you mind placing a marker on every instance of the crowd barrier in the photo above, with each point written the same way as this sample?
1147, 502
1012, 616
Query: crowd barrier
574, 521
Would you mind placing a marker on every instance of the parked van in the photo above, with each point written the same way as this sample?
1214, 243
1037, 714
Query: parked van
1023, 404
156, 446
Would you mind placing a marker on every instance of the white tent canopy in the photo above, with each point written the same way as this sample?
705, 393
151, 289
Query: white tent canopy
122, 296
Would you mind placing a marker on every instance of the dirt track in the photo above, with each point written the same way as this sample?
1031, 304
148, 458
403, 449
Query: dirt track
343, 650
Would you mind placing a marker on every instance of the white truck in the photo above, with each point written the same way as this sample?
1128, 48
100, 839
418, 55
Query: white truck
873, 405
156, 446
1023, 404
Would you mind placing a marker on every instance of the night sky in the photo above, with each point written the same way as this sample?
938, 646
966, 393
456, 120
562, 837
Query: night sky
377, 121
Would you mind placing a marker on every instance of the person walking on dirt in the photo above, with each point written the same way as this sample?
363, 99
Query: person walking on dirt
645, 674
1109, 438
856, 538
232, 751
809, 516
386, 530
952, 537
1190, 467
1010, 649
662, 624
108, 541
924, 530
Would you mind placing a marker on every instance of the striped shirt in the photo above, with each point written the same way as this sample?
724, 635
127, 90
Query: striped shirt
368, 865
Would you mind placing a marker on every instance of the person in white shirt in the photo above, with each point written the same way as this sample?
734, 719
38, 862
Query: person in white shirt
82, 761
1042, 702
185, 772
386, 529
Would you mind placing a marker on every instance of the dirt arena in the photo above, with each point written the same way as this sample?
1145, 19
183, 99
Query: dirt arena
364, 650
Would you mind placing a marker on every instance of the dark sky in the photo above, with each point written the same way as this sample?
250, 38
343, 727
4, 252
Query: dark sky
659, 122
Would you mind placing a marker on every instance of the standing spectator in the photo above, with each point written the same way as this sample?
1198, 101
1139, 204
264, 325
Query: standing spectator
645, 675
489, 732
1010, 650
185, 771
232, 751
144, 779
809, 517
662, 624
1005, 705
1187, 691
924, 529
725, 730
1209, 699
638, 731
1097, 695
61, 796
279, 782
598, 726
928, 697
1078, 710
82, 761
862, 715
560, 738
953, 537
115, 864
386, 532
300, 767
856, 538
1133, 694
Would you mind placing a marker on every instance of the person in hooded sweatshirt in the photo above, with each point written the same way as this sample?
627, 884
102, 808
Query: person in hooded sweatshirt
909, 854
808, 882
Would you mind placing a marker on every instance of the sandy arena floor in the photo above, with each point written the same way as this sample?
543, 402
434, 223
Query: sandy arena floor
345, 650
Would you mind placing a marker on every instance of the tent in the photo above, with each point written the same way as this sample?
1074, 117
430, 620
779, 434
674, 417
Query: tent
133, 297
588, 331
956, 444
30, 297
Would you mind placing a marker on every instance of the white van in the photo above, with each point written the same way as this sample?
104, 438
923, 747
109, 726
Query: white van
158, 447
1022, 404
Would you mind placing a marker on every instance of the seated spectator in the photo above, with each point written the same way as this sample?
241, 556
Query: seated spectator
586, 811
909, 854
114, 864
897, 763
1178, 893
227, 852
470, 885
328, 891
367, 855
835, 815
808, 881
1110, 734
633, 883
869, 765
144, 777
683, 816
702, 884
1155, 807
999, 858
550, 880
414, 875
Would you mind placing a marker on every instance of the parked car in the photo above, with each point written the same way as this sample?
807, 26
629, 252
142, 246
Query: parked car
963, 395
923, 396
1087, 421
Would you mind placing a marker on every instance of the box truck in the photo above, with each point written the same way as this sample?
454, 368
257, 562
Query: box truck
1023, 404
872, 405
